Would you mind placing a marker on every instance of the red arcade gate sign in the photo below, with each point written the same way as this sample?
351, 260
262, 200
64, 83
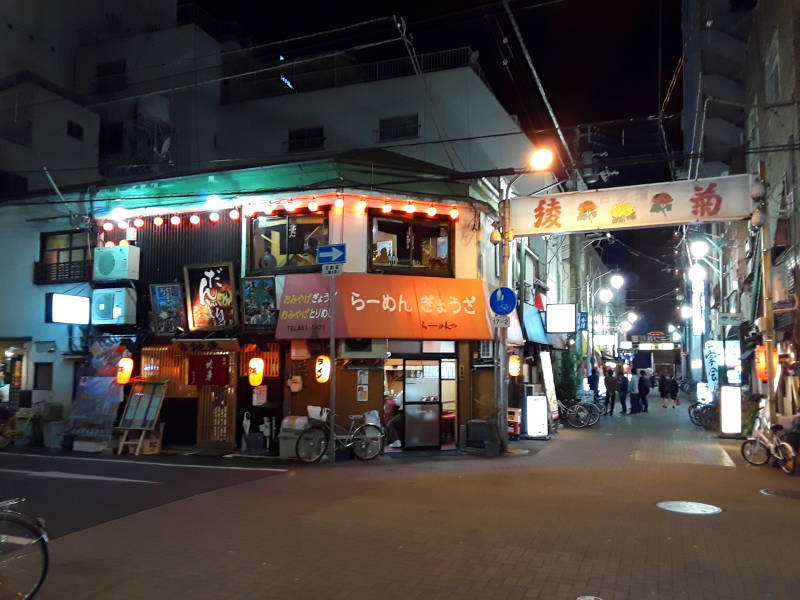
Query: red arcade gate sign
652, 205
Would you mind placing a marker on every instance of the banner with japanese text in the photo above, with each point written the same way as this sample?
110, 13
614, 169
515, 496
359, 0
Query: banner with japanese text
652, 205
385, 306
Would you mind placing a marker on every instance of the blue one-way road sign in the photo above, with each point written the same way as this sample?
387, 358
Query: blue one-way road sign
332, 254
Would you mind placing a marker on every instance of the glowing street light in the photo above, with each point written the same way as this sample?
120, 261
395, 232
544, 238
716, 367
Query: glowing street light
671, 328
699, 248
697, 273
632, 317
605, 295
617, 281
625, 326
676, 337
541, 159
686, 312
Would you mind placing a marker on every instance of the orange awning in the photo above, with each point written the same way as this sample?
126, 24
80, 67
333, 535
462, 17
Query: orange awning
384, 306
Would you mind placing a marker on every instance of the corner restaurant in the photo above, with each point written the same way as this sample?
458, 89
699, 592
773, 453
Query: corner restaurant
426, 325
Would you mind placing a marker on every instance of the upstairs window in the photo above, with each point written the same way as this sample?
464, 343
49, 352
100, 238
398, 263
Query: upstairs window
416, 245
398, 128
286, 243
75, 130
111, 138
66, 256
772, 71
310, 138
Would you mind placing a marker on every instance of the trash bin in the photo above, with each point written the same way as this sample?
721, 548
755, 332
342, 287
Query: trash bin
291, 428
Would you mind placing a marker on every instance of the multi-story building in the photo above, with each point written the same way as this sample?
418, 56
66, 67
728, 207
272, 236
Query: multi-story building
740, 115
399, 143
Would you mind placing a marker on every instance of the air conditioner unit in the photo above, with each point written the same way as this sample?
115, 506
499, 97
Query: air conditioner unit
363, 348
116, 263
114, 306
487, 349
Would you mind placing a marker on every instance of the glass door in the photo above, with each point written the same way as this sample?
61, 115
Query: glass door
422, 404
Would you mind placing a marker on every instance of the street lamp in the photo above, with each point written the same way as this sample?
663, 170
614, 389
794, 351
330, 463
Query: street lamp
632, 317
671, 328
605, 295
697, 273
676, 336
686, 312
699, 248
540, 160
625, 326
617, 281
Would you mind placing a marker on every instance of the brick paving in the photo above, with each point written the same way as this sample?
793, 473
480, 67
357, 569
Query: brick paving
576, 518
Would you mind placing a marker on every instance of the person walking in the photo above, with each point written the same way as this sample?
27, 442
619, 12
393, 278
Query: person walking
622, 390
611, 391
673, 391
633, 387
663, 389
644, 390
594, 382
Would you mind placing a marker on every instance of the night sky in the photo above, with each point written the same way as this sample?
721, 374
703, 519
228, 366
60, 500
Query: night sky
599, 61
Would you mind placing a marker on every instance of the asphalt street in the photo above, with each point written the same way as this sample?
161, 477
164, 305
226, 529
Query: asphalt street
579, 517
76, 492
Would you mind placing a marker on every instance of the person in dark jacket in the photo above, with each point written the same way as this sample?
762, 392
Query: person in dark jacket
672, 387
622, 390
611, 391
663, 389
594, 383
644, 389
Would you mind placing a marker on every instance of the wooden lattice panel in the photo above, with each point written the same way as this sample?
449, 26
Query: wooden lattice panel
272, 360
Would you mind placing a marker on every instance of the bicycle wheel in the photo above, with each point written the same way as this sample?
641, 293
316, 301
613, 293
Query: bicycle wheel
594, 413
23, 557
312, 443
755, 452
694, 414
367, 442
787, 459
577, 416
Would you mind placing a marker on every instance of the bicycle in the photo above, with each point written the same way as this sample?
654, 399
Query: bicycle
24, 558
758, 449
366, 440
577, 415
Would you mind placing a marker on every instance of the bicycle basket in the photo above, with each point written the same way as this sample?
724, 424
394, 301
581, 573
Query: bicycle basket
318, 413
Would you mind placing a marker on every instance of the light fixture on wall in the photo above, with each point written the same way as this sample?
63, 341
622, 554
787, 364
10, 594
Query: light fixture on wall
431, 211
339, 202
387, 208
255, 371
158, 221
313, 206
361, 206
454, 213
194, 220
410, 208
214, 217
124, 370
234, 215
322, 368
108, 226
138, 222
175, 220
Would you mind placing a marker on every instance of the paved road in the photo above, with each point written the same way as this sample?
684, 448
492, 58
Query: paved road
579, 517
74, 493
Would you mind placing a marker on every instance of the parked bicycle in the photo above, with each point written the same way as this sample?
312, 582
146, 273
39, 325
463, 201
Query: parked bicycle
365, 439
24, 558
577, 414
705, 415
767, 442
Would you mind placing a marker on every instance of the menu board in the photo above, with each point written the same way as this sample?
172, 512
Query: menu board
144, 406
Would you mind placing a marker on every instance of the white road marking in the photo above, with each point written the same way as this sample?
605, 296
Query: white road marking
145, 463
62, 475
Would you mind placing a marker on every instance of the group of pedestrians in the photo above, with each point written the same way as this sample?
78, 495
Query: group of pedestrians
636, 390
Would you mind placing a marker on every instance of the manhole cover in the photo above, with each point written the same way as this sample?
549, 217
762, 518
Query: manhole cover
793, 494
689, 508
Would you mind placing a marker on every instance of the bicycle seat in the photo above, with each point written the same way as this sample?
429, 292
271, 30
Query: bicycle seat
355, 417
776, 428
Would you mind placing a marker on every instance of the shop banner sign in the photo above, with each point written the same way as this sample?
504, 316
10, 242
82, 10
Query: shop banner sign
385, 306
714, 357
168, 308
654, 205
211, 297
209, 369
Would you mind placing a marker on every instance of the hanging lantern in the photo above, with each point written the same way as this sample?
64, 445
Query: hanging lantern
122, 225
339, 202
454, 213
109, 244
322, 368
213, 217
255, 371
761, 362
124, 370
410, 208
514, 365
431, 211
194, 220
313, 206
108, 226
158, 221
175, 220
234, 215
138, 222
361, 206
288, 206
387, 208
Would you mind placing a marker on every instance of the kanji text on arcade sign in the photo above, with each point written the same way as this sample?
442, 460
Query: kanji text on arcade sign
653, 205
385, 306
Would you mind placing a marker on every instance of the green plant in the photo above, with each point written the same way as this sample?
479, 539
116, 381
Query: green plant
567, 376
485, 408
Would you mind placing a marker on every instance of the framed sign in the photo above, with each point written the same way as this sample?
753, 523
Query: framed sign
259, 303
169, 311
210, 297
144, 406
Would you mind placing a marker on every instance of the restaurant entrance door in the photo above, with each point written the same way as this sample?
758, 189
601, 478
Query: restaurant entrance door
424, 391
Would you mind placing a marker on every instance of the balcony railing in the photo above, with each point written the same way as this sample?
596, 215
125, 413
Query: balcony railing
62, 272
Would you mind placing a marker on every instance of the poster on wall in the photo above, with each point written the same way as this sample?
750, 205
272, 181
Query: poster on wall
169, 311
362, 385
259, 303
210, 297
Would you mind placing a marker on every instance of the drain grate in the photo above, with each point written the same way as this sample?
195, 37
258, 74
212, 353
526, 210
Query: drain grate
793, 494
689, 508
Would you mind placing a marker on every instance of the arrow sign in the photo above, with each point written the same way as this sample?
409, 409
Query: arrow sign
332, 254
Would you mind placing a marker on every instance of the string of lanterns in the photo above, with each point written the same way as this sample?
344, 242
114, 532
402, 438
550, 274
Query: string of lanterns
253, 210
